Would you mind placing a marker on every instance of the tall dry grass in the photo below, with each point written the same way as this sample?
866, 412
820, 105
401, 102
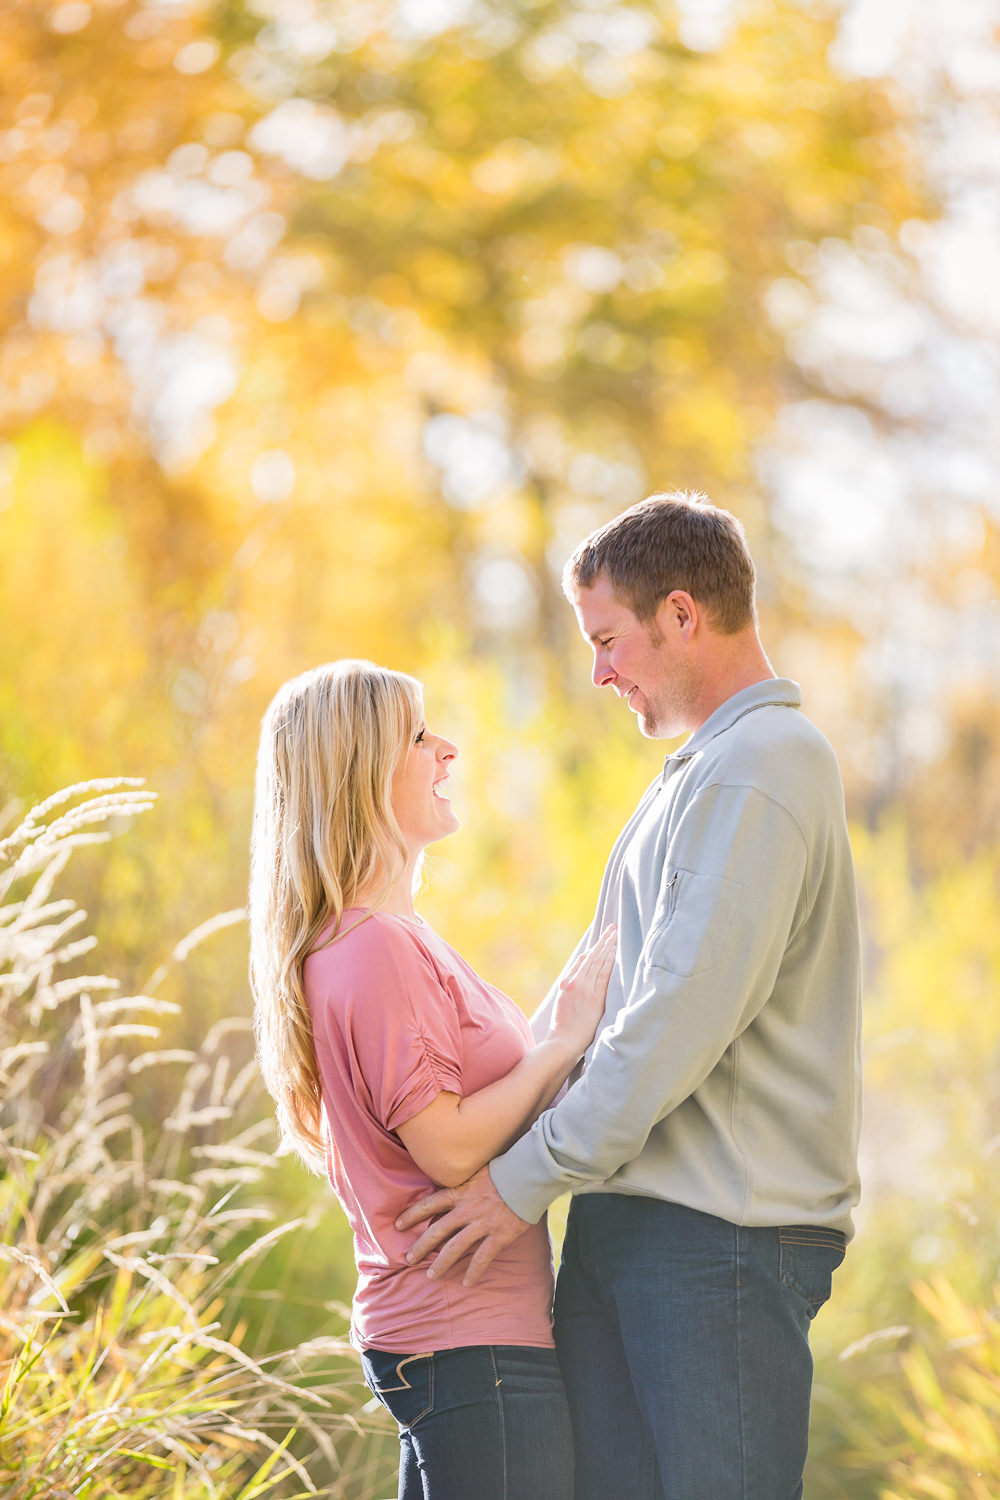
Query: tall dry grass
125, 1238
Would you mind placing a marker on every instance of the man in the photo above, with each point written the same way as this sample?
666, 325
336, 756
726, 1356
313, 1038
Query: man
711, 1140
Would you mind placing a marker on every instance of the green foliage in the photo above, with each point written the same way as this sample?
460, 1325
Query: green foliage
562, 245
566, 248
948, 1408
908, 1368
125, 1245
917, 1416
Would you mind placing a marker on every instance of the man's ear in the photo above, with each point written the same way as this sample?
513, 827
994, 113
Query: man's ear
678, 614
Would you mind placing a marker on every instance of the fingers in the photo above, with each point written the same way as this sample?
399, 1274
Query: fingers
603, 951
458, 1246
460, 1243
431, 1239
600, 958
607, 943
426, 1208
576, 966
428, 1241
487, 1251
604, 956
593, 958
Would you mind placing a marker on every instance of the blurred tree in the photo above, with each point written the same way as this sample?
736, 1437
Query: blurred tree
570, 222
908, 1380
328, 329
883, 465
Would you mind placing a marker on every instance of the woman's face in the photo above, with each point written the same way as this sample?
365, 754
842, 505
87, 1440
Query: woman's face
422, 809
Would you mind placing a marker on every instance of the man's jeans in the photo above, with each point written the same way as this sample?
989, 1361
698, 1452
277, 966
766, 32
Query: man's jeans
684, 1346
488, 1422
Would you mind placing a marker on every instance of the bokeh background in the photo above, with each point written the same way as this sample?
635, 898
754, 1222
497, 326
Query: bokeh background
327, 327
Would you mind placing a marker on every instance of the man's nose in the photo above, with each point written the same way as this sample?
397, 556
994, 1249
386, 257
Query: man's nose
602, 673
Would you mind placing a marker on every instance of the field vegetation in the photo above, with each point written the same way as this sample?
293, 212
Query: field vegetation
326, 329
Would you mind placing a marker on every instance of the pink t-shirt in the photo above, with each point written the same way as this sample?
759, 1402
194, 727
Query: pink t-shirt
398, 1016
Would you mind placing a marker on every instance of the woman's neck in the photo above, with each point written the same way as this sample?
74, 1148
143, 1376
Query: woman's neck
397, 903
397, 900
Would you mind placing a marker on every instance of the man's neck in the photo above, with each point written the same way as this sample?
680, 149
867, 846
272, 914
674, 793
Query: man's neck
733, 663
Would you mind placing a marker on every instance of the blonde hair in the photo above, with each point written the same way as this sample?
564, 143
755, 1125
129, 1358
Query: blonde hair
323, 830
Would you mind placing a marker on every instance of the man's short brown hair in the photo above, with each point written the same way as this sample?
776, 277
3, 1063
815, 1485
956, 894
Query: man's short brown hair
666, 542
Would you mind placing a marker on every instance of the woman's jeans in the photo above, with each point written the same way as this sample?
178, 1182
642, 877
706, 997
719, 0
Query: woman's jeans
489, 1422
684, 1346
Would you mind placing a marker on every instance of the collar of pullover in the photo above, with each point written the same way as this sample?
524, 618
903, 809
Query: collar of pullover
773, 692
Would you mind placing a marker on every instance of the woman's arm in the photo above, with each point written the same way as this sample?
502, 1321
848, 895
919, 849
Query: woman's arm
452, 1137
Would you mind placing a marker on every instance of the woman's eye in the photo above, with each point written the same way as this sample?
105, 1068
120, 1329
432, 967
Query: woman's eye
420, 737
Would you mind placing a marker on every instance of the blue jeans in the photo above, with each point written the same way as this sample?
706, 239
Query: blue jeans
488, 1422
684, 1346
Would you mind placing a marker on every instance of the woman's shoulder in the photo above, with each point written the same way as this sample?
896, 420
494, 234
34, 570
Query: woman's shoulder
369, 941
376, 966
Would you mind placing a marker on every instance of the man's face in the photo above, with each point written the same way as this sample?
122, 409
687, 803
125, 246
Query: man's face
646, 662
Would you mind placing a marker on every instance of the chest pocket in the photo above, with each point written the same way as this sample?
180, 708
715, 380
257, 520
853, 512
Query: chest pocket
697, 924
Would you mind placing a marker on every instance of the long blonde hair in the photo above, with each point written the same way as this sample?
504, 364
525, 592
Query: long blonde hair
323, 830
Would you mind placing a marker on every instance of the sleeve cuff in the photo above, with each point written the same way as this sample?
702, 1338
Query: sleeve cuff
424, 1092
523, 1178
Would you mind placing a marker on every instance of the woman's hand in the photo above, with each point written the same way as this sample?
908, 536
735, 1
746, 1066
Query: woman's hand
580, 998
452, 1137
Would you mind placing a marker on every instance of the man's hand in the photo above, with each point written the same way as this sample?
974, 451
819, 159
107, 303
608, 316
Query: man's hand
474, 1212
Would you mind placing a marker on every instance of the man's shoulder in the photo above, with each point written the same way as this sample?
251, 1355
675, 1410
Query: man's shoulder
764, 729
778, 751
782, 727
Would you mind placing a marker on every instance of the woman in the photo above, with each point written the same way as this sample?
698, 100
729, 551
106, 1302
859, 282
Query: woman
394, 1066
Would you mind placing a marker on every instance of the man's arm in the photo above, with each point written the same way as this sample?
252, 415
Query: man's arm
708, 967
475, 1221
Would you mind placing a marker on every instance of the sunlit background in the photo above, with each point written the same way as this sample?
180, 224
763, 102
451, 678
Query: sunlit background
327, 327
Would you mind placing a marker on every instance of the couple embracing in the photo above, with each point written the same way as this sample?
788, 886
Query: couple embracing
709, 1138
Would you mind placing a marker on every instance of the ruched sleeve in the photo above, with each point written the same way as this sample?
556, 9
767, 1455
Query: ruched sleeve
378, 999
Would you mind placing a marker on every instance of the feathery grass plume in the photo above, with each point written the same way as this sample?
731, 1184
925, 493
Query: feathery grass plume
123, 1248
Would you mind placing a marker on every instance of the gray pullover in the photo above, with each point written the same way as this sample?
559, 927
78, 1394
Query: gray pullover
726, 1073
